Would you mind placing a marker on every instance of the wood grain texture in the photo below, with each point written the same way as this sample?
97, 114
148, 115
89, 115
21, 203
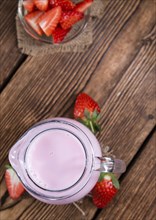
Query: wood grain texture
10, 56
60, 77
133, 97
137, 186
118, 71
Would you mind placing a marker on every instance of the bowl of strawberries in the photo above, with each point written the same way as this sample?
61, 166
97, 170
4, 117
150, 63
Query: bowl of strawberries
54, 21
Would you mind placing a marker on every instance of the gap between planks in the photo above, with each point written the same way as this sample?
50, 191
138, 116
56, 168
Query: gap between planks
21, 60
131, 164
136, 199
50, 104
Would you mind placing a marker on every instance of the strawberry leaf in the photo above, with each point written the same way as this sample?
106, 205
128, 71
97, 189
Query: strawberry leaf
8, 166
102, 175
115, 181
97, 127
94, 115
98, 117
87, 114
112, 177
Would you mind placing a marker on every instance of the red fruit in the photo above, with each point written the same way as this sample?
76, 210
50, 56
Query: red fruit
29, 5
59, 34
42, 5
86, 110
49, 20
32, 19
66, 5
14, 186
82, 6
69, 18
104, 191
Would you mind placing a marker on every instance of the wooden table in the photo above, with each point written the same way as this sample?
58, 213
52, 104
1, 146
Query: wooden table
118, 71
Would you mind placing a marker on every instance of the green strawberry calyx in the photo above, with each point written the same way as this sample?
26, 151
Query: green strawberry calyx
90, 119
8, 166
110, 177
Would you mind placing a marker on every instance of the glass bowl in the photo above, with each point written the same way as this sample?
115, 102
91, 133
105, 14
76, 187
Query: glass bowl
77, 29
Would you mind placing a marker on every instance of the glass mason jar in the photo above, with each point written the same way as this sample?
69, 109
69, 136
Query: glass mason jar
59, 161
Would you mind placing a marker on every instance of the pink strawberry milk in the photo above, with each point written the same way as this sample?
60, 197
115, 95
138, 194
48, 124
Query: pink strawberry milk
59, 161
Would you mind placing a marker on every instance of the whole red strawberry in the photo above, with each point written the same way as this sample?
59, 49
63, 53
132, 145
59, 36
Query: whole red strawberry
86, 110
104, 190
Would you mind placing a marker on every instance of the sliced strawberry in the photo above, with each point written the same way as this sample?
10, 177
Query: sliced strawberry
69, 18
42, 5
52, 3
82, 6
32, 18
66, 5
49, 20
14, 186
29, 5
59, 34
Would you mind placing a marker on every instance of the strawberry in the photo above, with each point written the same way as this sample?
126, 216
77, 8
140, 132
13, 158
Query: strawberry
32, 19
14, 186
82, 6
29, 5
49, 20
69, 18
42, 5
105, 189
59, 34
86, 110
66, 5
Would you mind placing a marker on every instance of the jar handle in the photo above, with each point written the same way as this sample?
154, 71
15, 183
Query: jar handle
109, 164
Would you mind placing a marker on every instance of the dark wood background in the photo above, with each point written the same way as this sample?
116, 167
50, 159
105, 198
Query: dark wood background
118, 70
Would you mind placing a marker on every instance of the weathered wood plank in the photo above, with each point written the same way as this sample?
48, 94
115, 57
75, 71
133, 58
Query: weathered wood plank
10, 56
59, 77
34, 107
3, 188
137, 186
150, 213
134, 128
